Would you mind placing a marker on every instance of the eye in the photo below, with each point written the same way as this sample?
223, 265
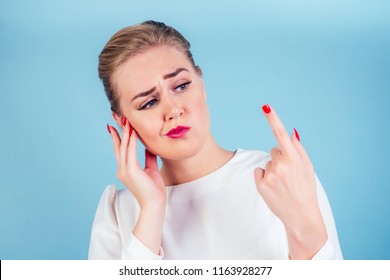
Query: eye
148, 104
182, 87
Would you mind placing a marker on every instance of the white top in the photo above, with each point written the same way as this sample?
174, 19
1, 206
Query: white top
218, 216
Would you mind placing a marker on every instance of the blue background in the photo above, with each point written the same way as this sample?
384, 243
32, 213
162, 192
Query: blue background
324, 66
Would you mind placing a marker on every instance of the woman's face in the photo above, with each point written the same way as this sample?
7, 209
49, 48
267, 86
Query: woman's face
160, 91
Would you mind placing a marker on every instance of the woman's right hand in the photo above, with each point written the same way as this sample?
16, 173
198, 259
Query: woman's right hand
146, 185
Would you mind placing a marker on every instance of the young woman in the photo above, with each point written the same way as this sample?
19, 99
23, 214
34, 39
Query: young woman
205, 202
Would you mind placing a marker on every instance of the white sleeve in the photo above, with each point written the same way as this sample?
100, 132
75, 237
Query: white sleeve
136, 250
331, 249
106, 241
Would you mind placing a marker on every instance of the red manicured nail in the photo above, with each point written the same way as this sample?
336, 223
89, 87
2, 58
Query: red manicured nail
266, 108
109, 128
124, 120
131, 129
296, 134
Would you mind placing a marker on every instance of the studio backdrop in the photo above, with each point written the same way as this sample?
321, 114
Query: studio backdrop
323, 65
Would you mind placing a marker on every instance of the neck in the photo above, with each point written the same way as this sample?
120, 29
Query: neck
181, 171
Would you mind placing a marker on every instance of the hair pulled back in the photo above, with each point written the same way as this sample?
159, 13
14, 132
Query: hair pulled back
133, 40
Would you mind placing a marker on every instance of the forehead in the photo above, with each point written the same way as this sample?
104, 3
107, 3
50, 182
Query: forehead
143, 70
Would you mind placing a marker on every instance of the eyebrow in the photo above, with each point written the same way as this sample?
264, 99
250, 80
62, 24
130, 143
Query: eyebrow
165, 77
145, 93
174, 73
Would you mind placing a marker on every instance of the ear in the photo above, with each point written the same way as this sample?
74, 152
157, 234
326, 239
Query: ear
118, 119
204, 90
199, 72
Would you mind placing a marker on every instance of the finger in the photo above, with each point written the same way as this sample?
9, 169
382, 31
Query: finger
267, 167
259, 175
124, 148
116, 142
132, 149
275, 154
150, 160
281, 135
295, 139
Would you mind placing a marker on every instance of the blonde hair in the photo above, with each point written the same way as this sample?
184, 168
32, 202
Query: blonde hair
133, 40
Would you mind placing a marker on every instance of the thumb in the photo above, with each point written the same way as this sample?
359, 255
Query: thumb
150, 160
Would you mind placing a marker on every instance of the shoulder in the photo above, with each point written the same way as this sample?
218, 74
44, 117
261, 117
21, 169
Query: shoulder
251, 158
111, 195
117, 202
106, 207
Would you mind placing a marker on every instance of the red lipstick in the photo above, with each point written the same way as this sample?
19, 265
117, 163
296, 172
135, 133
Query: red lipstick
178, 132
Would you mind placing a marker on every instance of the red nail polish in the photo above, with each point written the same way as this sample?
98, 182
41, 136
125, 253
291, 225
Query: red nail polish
124, 120
109, 128
131, 129
296, 134
266, 108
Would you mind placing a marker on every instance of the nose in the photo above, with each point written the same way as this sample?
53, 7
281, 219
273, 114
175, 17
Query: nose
173, 109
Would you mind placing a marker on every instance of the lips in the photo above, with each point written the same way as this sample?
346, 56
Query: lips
178, 132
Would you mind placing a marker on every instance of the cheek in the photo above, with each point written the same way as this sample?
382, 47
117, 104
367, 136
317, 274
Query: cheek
199, 110
147, 130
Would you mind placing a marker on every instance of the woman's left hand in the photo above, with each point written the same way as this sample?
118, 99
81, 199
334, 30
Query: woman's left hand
288, 186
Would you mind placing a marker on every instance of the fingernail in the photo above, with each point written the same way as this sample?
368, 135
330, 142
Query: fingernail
266, 108
124, 120
296, 134
131, 129
109, 128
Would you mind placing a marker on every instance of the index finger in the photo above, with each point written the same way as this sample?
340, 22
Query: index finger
281, 135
